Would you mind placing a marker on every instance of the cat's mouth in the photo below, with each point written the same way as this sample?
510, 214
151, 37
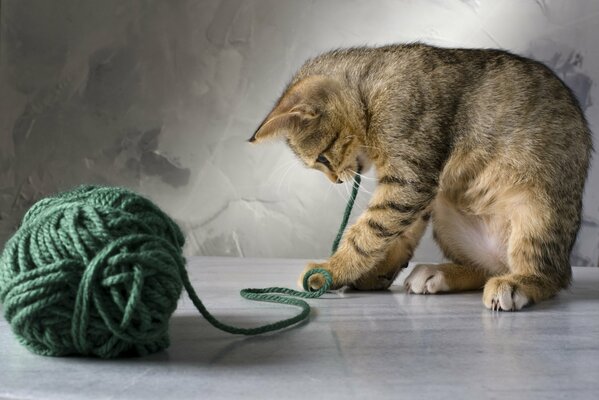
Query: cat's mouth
349, 173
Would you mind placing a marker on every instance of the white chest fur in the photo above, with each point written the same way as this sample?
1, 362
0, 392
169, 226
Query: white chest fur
481, 240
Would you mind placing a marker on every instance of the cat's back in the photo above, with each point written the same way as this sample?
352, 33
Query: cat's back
422, 61
464, 88
518, 93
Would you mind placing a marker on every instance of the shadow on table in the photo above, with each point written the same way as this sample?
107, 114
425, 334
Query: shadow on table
195, 341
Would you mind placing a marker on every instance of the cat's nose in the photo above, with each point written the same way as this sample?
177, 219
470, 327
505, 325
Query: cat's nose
339, 181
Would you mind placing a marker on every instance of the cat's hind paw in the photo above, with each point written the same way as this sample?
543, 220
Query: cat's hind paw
425, 279
502, 294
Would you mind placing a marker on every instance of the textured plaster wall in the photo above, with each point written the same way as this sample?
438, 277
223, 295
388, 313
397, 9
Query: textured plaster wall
160, 97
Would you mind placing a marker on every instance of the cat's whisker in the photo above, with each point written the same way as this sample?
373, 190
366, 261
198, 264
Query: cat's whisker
363, 189
279, 168
363, 176
283, 178
329, 190
348, 184
269, 181
345, 199
284, 171
289, 181
347, 190
359, 203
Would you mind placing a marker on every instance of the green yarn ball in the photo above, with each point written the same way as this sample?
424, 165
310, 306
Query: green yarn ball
93, 271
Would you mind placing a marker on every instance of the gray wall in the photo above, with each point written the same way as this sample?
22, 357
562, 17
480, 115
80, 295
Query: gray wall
160, 97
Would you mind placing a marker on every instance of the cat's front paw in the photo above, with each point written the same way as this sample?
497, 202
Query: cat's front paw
426, 278
317, 281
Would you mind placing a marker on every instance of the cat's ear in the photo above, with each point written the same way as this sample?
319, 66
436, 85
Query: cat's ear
277, 124
298, 105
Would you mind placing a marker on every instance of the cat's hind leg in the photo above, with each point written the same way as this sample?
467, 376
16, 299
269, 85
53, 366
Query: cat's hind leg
472, 243
538, 253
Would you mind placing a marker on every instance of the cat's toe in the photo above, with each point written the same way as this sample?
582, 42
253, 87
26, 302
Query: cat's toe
315, 282
501, 294
425, 279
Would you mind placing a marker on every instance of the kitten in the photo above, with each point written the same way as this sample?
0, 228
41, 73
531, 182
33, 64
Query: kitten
490, 146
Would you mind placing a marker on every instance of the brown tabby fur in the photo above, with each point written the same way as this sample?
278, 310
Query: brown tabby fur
492, 147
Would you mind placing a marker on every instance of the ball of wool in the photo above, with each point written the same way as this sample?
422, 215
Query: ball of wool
93, 271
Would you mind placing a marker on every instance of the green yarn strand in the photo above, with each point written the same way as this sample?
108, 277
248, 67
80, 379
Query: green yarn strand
92, 271
265, 295
98, 271
347, 212
269, 294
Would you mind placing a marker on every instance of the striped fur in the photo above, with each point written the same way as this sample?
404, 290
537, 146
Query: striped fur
491, 147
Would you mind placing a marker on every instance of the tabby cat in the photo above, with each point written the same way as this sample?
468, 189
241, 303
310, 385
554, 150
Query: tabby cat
490, 146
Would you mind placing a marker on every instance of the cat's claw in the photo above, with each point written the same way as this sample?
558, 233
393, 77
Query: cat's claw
501, 294
495, 305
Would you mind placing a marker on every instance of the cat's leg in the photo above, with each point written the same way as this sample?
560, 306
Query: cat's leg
473, 244
538, 253
450, 277
397, 258
395, 206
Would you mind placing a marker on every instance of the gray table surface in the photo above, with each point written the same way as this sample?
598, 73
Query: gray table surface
357, 345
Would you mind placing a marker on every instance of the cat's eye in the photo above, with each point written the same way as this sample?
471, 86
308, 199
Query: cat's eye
324, 161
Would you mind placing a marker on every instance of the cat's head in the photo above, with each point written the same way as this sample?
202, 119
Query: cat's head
320, 121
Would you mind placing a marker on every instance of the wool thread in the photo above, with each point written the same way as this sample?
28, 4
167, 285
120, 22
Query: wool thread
98, 271
347, 212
